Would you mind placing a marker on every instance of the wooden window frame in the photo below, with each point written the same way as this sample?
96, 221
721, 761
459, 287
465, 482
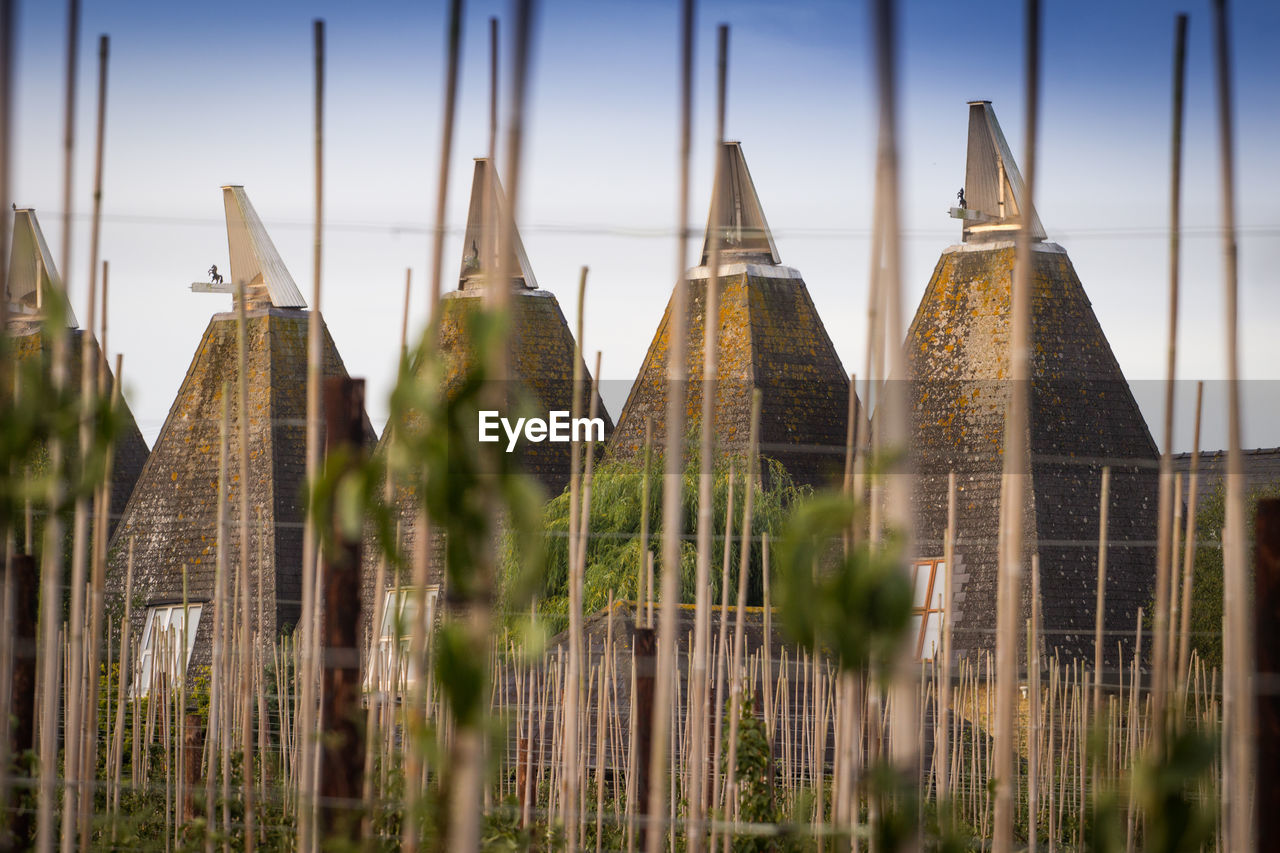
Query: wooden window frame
932, 564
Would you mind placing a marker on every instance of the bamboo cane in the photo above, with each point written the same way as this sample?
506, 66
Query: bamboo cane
695, 831
1189, 552
671, 509
739, 624
51, 568
1237, 615
310, 545
1016, 453
718, 693
644, 592
245, 657
944, 687
1104, 508
573, 686
89, 754
125, 644
73, 733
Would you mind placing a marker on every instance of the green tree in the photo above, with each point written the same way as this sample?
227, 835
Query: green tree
1206, 586
614, 550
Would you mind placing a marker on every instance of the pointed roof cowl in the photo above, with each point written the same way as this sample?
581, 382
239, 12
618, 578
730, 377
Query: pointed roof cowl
255, 263
33, 276
744, 232
994, 194
484, 229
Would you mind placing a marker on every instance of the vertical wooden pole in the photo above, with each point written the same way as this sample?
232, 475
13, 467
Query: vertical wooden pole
644, 662
21, 603
1266, 606
73, 731
342, 742
246, 634
1189, 551
416, 709
644, 590
51, 571
7, 42
573, 678
192, 750
1016, 456
306, 716
672, 509
1237, 644
1164, 557
1099, 619
739, 622
89, 749
697, 755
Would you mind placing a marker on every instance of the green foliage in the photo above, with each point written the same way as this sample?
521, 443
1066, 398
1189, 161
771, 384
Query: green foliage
754, 767
1206, 586
854, 601
42, 414
615, 558
1177, 817
468, 488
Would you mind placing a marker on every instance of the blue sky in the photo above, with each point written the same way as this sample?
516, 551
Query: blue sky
207, 94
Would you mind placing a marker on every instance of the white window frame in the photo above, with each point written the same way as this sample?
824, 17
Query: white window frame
929, 605
392, 668
164, 621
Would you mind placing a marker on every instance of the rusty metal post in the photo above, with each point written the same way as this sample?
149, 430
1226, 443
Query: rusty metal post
22, 605
523, 753
23, 610
1267, 639
341, 717
645, 660
193, 749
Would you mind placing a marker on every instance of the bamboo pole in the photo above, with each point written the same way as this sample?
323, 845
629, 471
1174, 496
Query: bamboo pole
125, 645
1189, 552
573, 680
89, 751
602, 710
893, 435
51, 568
467, 748
695, 831
7, 42
721, 662
1099, 618
671, 504
416, 710
1238, 730
1164, 567
73, 732
943, 752
739, 624
246, 644
644, 592
310, 545
1016, 454
1033, 716
223, 614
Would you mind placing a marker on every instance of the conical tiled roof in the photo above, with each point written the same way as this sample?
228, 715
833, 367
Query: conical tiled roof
771, 338
171, 516
540, 357
33, 278
1083, 417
